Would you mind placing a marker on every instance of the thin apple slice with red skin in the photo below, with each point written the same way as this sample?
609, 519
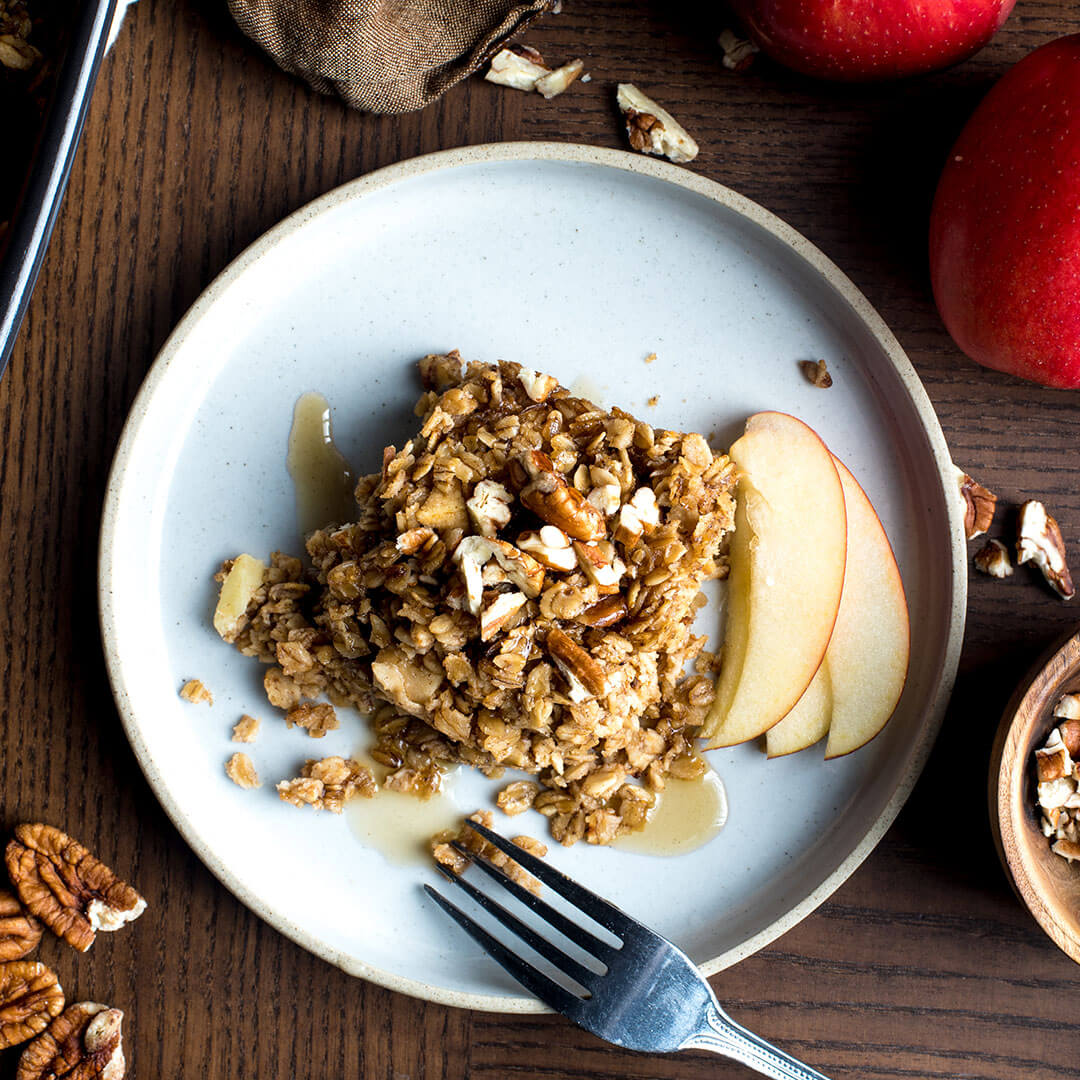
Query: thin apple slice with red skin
787, 572
808, 722
871, 642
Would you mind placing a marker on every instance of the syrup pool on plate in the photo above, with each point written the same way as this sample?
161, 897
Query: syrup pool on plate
400, 826
687, 815
322, 477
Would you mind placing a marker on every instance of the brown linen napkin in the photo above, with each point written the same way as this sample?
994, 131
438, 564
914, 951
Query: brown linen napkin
383, 56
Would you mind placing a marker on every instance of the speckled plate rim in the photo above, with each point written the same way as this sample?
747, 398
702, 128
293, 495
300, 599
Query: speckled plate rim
558, 152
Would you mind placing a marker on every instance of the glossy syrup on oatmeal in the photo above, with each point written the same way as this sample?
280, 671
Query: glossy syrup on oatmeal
323, 479
687, 815
400, 826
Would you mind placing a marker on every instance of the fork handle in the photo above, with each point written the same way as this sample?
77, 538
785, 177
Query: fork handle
724, 1036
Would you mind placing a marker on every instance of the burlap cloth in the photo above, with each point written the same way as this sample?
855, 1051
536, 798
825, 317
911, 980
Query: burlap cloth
383, 56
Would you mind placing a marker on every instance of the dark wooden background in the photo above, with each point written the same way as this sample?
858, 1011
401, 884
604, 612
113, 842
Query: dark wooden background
922, 965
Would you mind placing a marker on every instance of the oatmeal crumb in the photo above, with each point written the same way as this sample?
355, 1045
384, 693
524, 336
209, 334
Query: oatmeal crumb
245, 729
531, 845
328, 784
195, 692
241, 771
650, 358
653, 401
316, 720
816, 372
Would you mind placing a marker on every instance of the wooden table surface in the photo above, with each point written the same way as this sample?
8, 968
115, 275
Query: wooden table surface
922, 965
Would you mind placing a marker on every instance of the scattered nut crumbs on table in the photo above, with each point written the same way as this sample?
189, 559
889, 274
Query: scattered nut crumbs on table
521, 67
738, 53
651, 129
1039, 540
517, 591
195, 692
993, 559
1058, 780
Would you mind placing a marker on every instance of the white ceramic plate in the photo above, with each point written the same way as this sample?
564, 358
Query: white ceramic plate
576, 261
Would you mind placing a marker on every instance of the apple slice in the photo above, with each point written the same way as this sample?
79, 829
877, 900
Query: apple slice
868, 655
808, 722
787, 572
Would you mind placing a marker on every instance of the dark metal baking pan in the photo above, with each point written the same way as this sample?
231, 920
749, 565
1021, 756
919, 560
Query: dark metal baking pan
36, 210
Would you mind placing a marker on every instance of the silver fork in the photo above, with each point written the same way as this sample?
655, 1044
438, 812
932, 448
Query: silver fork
650, 997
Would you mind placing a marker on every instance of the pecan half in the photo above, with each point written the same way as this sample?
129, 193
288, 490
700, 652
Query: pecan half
70, 891
19, 931
30, 996
83, 1043
583, 674
1039, 540
553, 500
607, 612
979, 504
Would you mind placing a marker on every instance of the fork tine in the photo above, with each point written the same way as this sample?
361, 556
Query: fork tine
535, 981
596, 907
577, 934
537, 942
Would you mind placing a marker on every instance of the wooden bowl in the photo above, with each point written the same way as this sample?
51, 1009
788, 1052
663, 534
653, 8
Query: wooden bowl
1047, 884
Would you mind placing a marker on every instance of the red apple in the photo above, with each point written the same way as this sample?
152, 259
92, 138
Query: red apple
859, 40
1005, 226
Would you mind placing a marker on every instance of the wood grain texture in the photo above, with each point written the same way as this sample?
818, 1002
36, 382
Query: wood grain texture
922, 965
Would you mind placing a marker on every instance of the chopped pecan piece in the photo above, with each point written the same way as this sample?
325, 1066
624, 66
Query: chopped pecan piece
70, 891
19, 931
496, 615
474, 552
979, 504
517, 66
558, 81
738, 52
653, 130
537, 385
489, 507
83, 1043
30, 996
1039, 540
549, 546
584, 675
993, 559
553, 500
607, 612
